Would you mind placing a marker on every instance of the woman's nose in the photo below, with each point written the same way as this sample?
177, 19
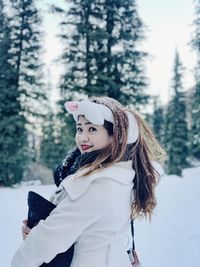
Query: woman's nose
84, 137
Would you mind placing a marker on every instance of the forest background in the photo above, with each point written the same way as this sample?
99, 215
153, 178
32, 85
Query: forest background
99, 48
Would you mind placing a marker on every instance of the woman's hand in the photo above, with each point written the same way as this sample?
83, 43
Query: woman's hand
25, 229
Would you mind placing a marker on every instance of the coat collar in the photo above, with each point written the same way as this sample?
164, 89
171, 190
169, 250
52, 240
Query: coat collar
121, 172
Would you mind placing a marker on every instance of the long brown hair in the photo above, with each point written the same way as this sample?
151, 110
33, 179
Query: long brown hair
142, 153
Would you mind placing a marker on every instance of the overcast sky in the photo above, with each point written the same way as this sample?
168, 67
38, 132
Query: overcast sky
169, 25
170, 28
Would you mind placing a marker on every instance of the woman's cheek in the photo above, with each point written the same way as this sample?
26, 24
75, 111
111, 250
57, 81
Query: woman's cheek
77, 140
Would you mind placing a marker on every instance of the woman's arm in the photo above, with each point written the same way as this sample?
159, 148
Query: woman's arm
62, 228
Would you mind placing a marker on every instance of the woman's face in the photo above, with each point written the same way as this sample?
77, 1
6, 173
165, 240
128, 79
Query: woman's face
90, 137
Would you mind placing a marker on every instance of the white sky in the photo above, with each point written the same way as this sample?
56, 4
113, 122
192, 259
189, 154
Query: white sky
170, 28
169, 25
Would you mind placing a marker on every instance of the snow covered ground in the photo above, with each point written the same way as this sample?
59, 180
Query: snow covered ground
171, 239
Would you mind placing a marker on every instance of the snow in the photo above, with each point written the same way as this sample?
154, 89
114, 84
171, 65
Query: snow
172, 238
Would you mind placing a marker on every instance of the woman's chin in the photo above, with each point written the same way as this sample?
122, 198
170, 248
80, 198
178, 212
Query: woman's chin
86, 151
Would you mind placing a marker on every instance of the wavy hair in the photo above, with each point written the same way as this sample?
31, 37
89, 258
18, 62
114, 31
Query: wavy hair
145, 150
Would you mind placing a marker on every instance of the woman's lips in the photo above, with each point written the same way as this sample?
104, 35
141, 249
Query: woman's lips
85, 147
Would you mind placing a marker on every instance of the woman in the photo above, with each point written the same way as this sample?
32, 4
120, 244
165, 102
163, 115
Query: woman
114, 179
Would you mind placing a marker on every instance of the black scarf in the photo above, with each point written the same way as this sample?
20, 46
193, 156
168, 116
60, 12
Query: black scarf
72, 162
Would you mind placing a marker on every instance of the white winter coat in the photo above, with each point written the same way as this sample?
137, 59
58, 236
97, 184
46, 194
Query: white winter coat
94, 213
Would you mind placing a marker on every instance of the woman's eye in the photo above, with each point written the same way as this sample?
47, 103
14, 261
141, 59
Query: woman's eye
78, 129
92, 129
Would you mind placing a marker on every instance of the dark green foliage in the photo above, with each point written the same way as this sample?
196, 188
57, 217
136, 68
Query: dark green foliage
26, 44
48, 146
56, 142
195, 129
158, 121
13, 136
101, 53
195, 42
176, 132
21, 94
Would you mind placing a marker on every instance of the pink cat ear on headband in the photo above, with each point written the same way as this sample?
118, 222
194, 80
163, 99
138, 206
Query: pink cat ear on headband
71, 106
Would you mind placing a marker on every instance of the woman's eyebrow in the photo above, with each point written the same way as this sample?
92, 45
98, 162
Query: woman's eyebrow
79, 124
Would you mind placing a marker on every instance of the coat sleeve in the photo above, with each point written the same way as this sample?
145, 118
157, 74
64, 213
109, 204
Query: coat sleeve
62, 228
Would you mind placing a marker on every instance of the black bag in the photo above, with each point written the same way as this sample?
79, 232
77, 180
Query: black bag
39, 209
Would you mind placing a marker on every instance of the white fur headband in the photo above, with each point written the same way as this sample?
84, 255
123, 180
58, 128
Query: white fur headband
97, 113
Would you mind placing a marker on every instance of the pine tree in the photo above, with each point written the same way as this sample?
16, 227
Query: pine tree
176, 132
158, 120
13, 136
195, 129
55, 144
26, 45
48, 148
101, 54
56, 141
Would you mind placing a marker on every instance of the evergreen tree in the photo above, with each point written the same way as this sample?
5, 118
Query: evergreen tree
158, 120
55, 143
101, 54
176, 132
13, 136
195, 129
48, 150
26, 46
